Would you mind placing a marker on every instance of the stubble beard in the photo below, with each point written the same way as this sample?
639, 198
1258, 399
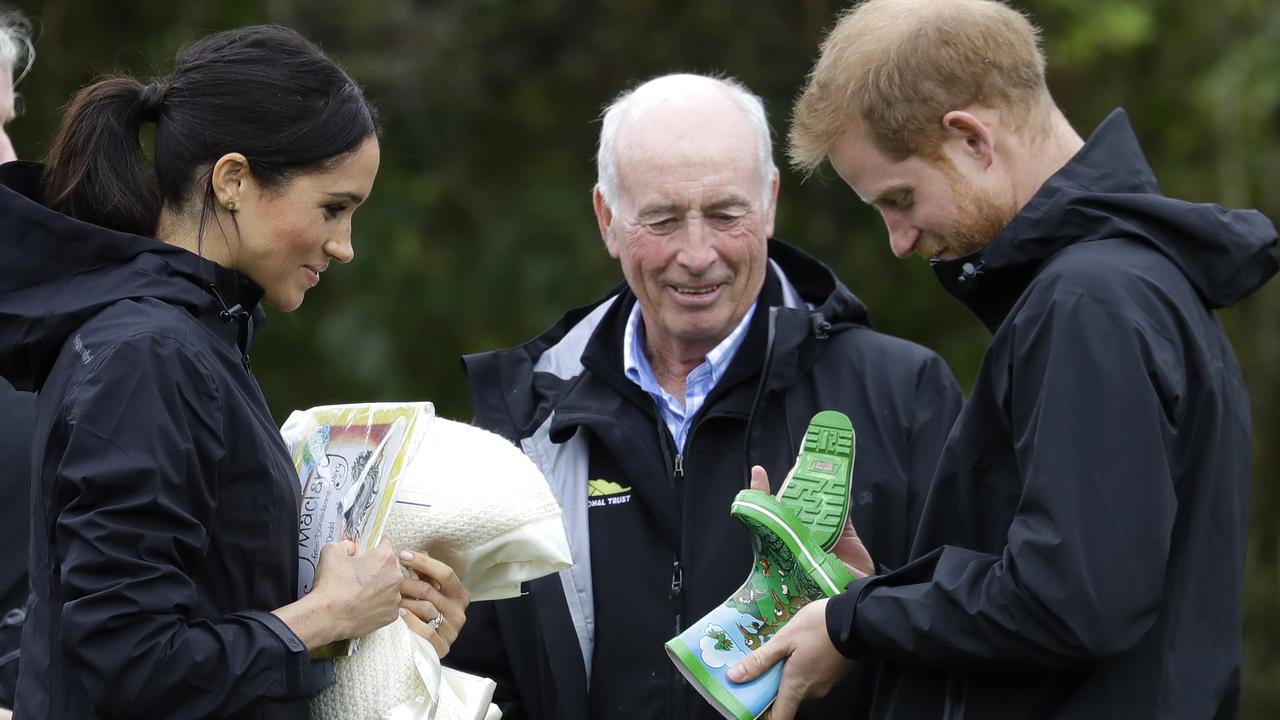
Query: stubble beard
980, 215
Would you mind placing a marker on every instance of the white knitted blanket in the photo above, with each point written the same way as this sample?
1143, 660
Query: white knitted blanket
473, 500
396, 675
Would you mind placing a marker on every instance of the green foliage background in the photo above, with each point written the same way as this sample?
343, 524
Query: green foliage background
480, 233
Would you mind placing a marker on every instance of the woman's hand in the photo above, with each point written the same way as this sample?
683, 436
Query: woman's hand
353, 595
435, 600
363, 590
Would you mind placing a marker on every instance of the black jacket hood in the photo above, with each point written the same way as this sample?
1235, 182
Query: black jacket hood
58, 272
1109, 191
819, 286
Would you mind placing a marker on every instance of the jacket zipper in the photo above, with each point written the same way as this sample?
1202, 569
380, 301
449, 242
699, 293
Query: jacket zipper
954, 708
677, 574
677, 586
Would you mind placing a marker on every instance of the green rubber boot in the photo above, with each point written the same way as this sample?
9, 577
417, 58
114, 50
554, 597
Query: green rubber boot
790, 571
817, 488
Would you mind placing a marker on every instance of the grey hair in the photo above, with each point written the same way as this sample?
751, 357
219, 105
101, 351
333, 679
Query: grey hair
615, 113
16, 51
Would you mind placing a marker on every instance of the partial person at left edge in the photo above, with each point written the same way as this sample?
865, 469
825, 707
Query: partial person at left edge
16, 408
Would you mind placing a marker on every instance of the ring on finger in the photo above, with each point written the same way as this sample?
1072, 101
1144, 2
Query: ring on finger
435, 622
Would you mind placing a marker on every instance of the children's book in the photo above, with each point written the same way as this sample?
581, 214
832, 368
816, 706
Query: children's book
349, 460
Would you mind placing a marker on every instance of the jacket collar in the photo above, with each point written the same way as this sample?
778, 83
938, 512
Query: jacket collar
1108, 191
990, 280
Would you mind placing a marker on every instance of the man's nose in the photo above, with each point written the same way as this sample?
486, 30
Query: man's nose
903, 236
697, 252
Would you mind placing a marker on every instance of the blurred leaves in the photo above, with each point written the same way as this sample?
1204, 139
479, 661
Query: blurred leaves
479, 232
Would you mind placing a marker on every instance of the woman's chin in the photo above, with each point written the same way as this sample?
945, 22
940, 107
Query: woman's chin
284, 302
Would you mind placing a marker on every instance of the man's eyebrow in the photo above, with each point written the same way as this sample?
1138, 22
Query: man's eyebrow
656, 210
350, 196
889, 192
729, 203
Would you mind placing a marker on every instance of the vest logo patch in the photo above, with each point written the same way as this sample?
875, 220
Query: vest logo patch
601, 492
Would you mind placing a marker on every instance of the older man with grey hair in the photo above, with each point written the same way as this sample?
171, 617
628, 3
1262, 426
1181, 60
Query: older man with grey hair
16, 409
648, 409
16, 56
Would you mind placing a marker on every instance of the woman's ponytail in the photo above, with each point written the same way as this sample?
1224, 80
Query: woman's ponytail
97, 171
263, 91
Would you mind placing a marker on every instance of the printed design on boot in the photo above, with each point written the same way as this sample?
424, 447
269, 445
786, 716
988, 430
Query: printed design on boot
774, 592
817, 488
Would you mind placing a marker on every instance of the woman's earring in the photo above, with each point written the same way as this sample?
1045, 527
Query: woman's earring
231, 205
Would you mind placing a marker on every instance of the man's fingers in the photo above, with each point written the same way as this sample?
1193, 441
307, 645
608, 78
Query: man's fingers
784, 706
758, 662
852, 552
759, 478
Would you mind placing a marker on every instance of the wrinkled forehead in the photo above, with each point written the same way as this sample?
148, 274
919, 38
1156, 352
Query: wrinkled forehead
680, 139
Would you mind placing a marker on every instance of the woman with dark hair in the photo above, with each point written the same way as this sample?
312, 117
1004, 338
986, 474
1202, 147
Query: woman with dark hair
164, 512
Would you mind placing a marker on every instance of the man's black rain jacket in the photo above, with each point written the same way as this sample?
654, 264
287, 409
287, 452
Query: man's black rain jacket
17, 410
1082, 550
164, 514
672, 551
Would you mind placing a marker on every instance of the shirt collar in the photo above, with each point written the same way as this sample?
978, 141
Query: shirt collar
636, 364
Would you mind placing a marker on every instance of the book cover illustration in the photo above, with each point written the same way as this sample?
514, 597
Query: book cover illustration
349, 460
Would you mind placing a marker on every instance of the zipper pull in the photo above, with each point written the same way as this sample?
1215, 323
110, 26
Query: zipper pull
679, 472
677, 580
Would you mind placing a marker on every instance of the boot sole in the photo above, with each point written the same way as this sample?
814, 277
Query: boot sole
817, 488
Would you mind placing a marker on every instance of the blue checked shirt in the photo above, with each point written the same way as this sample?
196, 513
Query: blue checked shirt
675, 413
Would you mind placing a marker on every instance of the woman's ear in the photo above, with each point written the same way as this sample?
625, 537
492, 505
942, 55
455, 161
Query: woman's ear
229, 177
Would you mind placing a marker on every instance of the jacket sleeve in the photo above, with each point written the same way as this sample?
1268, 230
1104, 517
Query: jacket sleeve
135, 489
938, 403
17, 411
1081, 574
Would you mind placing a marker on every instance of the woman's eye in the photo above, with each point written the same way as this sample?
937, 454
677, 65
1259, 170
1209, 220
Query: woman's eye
333, 210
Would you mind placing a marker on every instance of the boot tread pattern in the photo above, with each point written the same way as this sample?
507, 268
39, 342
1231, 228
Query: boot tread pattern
818, 488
